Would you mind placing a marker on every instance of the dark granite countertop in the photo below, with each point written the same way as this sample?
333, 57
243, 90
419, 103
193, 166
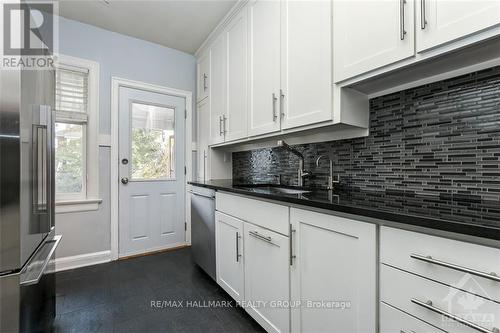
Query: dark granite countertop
468, 216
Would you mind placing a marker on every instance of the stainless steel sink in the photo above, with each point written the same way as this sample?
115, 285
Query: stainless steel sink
276, 190
285, 190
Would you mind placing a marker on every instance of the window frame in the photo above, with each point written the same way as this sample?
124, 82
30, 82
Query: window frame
88, 199
82, 195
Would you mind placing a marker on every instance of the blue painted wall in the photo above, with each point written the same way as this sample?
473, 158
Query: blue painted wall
126, 57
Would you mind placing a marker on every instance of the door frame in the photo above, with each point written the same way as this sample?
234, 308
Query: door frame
116, 84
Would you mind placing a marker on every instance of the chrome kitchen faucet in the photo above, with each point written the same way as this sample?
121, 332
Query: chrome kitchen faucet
301, 173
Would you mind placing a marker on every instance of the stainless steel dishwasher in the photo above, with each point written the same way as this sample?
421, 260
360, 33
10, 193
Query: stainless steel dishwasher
203, 228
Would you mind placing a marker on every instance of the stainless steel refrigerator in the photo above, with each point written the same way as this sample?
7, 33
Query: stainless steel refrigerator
27, 239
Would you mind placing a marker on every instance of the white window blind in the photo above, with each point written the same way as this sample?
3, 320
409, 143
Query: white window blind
72, 95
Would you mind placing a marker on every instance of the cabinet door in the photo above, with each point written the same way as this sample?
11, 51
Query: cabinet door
443, 21
228, 253
237, 76
217, 90
203, 138
267, 277
370, 34
203, 76
264, 58
334, 266
306, 62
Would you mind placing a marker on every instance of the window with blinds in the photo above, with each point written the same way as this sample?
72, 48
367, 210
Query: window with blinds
72, 100
72, 94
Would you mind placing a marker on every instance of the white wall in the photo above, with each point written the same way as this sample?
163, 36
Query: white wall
125, 57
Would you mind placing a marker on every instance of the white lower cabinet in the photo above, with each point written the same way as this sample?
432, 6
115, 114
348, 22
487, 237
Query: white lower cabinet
267, 285
333, 275
228, 252
449, 284
447, 307
316, 275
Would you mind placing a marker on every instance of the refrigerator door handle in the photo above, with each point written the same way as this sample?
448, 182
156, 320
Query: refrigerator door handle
42, 168
33, 271
39, 169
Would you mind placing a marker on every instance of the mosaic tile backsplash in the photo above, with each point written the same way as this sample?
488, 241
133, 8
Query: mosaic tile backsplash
440, 139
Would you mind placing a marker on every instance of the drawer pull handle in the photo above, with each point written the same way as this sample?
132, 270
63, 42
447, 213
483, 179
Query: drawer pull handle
267, 239
238, 255
292, 256
428, 305
431, 260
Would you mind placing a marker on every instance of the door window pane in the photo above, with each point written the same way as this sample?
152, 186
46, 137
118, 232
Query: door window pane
152, 142
70, 159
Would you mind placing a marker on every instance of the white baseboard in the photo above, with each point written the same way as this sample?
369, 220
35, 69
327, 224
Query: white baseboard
82, 260
153, 249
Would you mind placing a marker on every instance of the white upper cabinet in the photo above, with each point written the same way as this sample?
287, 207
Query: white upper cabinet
218, 90
306, 63
441, 21
237, 76
203, 73
334, 261
264, 62
368, 35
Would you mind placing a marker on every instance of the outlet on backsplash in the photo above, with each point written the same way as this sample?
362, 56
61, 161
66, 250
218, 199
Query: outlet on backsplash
442, 138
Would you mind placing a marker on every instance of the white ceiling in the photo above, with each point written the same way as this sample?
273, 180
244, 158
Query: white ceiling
182, 25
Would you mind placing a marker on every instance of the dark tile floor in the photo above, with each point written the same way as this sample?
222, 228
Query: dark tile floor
117, 296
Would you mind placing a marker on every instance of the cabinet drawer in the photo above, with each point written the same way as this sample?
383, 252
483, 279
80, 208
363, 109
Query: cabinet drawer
267, 215
393, 320
404, 291
452, 260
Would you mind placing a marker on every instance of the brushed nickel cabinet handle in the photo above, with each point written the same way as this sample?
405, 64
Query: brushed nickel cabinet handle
428, 305
275, 116
402, 30
423, 21
292, 231
238, 255
221, 131
491, 276
205, 77
267, 239
282, 104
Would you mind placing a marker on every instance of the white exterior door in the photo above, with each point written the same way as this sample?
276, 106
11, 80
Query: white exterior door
151, 168
306, 62
370, 34
229, 254
264, 57
335, 261
444, 21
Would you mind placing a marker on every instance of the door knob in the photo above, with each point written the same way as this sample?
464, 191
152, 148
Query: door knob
124, 180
